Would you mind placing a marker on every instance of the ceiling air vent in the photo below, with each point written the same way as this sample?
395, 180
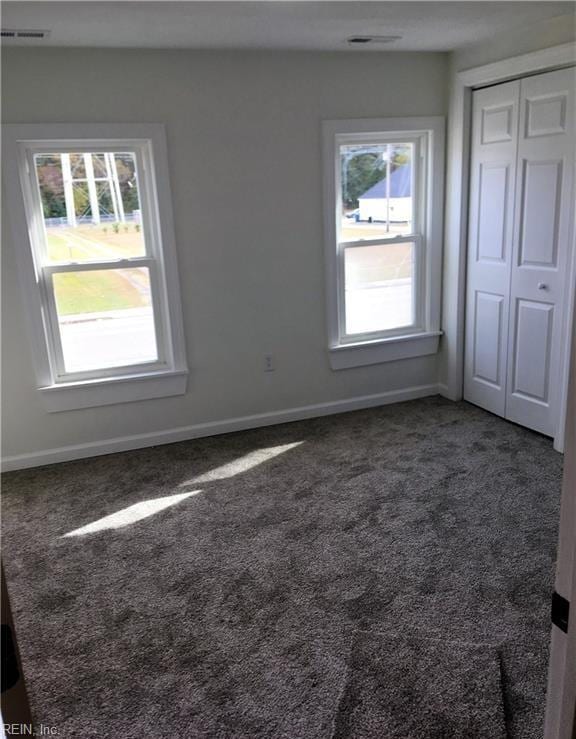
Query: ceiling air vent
24, 33
364, 40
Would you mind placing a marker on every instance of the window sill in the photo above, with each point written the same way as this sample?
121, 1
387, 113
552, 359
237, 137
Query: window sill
67, 396
391, 349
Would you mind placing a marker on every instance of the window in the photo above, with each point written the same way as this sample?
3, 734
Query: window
383, 205
98, 271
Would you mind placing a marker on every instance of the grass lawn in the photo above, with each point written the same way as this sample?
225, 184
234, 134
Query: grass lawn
355, 231
96, 291
87, 242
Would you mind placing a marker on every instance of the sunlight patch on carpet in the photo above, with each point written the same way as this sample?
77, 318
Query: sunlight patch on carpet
243, 464
133, 513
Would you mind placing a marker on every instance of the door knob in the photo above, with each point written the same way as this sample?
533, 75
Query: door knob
542, 286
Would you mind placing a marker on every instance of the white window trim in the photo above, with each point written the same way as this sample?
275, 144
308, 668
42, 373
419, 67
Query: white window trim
424, 338
169, 375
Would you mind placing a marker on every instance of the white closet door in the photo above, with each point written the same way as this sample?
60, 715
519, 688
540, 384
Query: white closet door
490, 236
541, 250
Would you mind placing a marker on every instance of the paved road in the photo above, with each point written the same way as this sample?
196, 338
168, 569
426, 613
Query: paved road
379, 308
109, 342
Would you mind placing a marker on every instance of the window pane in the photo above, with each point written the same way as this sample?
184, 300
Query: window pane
91, 206
105, 318
379, 283
377, 191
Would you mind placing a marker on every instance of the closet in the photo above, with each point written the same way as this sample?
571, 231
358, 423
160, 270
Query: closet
520, 248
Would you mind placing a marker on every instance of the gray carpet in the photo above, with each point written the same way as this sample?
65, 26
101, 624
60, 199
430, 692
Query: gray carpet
404, 686
267, 603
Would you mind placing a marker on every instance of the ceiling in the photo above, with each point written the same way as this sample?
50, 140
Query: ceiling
319, 26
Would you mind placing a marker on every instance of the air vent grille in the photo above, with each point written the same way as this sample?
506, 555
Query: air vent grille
24, 33
360, 40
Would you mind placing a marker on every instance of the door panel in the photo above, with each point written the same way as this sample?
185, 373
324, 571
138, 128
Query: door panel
498, 123
532, 338
494, 185
487, 339
541, 249
545, 115
492, 192
542, 189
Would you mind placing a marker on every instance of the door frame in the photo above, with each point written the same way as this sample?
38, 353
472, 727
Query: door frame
560, 722
456, 216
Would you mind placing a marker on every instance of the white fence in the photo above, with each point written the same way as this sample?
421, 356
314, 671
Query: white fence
133, 217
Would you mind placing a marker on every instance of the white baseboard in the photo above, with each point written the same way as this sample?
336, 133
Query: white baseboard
183, 433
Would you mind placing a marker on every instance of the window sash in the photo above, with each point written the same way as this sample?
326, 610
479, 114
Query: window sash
417, 173
142, 153
52, 325
418, 287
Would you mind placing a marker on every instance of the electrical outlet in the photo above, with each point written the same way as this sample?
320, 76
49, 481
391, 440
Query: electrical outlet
269, 365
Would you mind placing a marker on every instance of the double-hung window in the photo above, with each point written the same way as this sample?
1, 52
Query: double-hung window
95, 246
383, 229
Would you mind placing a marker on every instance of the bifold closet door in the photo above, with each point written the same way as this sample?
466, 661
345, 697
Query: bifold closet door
490, 239
519, 247
543, 246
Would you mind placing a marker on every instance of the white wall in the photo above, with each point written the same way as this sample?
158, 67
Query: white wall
523, 40
527, 39
244, 131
